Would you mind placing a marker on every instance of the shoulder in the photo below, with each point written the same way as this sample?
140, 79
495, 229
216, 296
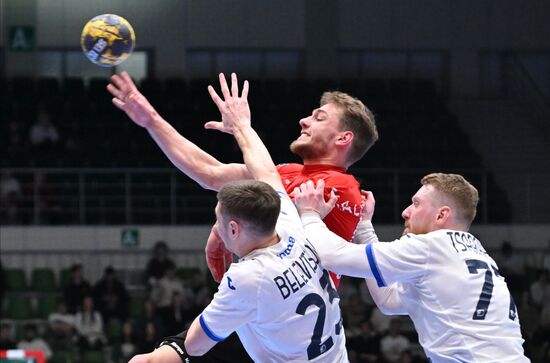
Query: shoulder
289, 167
244, 276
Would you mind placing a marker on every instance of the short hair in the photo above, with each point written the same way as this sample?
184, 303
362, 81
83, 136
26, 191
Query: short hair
357, 118
459, 190
252, 202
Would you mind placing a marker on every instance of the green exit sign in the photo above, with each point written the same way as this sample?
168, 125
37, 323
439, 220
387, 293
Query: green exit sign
129, 237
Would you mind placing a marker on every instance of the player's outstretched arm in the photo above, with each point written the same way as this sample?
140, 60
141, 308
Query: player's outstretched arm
236, 121
185, 155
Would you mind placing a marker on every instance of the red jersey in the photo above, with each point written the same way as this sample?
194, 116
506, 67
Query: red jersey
343, 219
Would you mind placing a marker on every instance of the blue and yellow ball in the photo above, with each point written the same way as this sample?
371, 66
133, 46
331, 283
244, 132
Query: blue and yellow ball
107, 40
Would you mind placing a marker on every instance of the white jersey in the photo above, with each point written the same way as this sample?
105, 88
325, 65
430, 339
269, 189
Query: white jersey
445, 281
280, 301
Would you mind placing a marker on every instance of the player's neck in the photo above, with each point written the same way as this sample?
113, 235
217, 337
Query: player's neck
257, 243
325, 161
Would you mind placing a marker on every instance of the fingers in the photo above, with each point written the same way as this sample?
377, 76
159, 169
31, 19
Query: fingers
234, 86
118, 103
115, 91
245, 91
217, 100
333, 198
214, 125
128, 80
224, 88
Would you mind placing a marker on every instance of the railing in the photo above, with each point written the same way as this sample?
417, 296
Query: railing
167, 197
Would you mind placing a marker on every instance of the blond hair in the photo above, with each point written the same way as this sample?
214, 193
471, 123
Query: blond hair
463, 194
357, 118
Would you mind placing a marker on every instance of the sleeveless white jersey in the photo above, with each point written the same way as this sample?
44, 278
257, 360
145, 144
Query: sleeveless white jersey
445, 281
280, 301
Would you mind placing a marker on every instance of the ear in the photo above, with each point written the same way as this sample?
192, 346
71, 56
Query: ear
443, 215
344, 138
234, 228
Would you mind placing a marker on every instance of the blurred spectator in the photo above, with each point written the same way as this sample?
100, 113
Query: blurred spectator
406, 357
6, 337
197, 291
354, 312
89, 326
14, 143
511, 265
379, 322
182, 313
366, 344
529, 316
540, 289
128, 342
159, 263
149, 341
77, 288
43, 134
163, 291
111, 296
47, 210
31, 341
394, 343
149, 316
61, 327
10, 198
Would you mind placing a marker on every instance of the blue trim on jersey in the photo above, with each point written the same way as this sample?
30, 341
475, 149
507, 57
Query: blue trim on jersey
374, 267
209, 332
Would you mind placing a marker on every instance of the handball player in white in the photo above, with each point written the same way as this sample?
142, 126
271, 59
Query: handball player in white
437, 272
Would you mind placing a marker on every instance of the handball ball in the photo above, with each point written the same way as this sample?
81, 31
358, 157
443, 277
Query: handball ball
107, 40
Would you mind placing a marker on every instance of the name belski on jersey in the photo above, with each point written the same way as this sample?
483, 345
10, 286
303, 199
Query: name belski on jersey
466, 242
299, 273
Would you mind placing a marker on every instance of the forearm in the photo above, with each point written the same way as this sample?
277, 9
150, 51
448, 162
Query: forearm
365, 234
257, 157
336, 254
387, 299
192, 160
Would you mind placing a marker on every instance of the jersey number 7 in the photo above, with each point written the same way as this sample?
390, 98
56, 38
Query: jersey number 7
487, 290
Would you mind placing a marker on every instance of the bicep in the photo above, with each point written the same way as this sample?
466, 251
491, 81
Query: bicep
219, 175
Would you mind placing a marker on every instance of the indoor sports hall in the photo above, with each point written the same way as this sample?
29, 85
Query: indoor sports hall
102, 236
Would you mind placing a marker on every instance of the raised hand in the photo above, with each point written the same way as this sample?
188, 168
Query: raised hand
218, 258
128, 98
234, 110
367, 205
309, 197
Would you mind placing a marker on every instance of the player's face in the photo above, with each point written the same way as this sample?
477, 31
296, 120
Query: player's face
421, 215
319, 132
222, 228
